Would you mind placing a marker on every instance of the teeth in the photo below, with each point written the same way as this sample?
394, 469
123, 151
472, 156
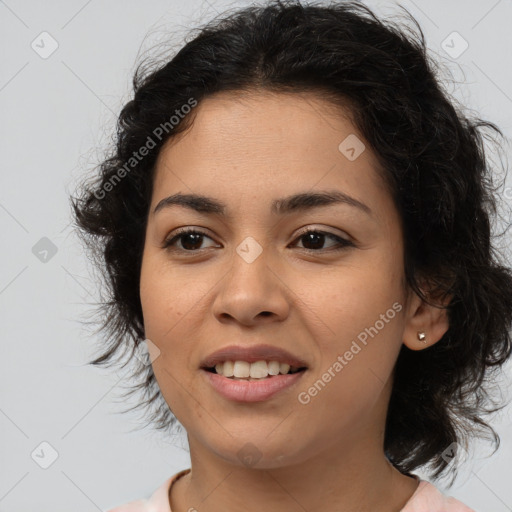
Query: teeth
227, 369
241, 369
273, 368
257, 370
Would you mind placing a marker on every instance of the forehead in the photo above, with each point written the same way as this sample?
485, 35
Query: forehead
266, 122
262, 144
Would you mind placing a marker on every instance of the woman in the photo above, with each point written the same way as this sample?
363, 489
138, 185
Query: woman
296, 222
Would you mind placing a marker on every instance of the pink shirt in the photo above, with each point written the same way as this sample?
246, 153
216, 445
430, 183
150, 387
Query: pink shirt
426, 498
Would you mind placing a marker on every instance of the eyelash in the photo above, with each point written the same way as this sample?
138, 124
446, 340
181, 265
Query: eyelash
342, 242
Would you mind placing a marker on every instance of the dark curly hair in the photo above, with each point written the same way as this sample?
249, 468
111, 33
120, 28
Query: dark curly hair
433, 159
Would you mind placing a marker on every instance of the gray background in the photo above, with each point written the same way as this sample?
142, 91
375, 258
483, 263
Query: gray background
57, 116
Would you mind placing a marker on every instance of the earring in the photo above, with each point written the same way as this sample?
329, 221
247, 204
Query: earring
422, 336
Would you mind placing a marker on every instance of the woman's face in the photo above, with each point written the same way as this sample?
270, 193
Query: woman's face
334, 299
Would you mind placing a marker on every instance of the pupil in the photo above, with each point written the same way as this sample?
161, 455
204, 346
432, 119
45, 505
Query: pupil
189, 236
315, 237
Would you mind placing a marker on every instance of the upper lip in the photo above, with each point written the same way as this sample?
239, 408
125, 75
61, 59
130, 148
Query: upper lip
251, 355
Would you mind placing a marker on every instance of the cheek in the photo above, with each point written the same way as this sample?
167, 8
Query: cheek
167, 295
355, 295
358, 353
363, 308
168, 305
174, 306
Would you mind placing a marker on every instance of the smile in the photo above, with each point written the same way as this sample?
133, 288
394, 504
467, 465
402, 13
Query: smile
249, 389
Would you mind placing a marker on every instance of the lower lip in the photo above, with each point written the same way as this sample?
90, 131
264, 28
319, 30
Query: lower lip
254, 390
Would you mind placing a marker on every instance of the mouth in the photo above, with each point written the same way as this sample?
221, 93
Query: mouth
257, 361
252, 373
259, 370
250, 389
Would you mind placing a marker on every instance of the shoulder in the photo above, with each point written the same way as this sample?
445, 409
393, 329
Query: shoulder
428, 498
158, 502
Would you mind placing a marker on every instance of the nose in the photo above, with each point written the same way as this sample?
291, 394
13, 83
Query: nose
252, 292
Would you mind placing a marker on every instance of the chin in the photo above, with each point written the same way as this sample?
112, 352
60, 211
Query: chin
258, 452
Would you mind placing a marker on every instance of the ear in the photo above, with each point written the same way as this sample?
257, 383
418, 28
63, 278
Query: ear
425, 318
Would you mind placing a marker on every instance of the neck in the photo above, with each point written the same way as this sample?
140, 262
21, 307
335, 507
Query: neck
350, 478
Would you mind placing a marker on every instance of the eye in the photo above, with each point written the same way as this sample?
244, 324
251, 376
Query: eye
315, 239
190, 240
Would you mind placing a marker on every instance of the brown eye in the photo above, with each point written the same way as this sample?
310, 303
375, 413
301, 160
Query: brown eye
313, 240
191, 240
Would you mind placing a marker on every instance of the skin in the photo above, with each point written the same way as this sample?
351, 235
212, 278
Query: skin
246, 150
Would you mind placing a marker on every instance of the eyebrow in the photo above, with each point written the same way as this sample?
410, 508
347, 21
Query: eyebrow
286, 205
